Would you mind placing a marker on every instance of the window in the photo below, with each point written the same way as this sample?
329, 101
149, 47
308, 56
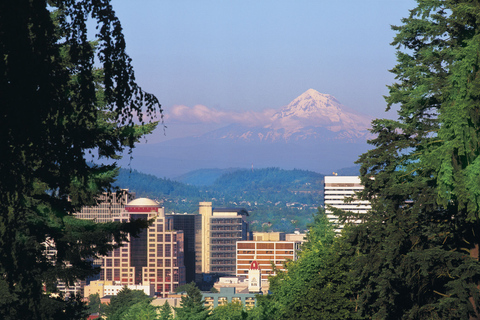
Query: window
168, 250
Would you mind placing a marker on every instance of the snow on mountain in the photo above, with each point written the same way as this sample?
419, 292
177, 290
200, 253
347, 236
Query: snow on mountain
313, 132
312, 115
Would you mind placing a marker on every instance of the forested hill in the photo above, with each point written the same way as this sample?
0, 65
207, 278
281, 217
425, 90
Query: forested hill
278, 183
276, 199
150, 186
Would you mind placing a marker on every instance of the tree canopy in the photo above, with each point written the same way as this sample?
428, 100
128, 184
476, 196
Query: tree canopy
192, 304
419, 246
64, 98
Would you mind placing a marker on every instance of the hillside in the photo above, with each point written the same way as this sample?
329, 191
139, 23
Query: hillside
277, 199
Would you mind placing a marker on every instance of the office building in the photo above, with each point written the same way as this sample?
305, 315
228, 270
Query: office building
110, 206
155, 256
217, 233
186, 223
337, 190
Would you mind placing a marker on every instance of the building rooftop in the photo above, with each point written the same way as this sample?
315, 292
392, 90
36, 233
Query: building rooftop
143, 202
237, 210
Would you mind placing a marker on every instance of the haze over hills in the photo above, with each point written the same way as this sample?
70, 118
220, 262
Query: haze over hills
313, 132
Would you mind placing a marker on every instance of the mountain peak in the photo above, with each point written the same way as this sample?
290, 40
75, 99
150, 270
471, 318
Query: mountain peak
315, 109
314, 95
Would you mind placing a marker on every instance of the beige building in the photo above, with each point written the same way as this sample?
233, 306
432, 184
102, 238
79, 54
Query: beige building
265, 252
300, 237
109, 288
155, 256
269, 236
217, 232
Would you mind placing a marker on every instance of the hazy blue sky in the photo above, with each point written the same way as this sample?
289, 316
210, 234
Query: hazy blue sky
254, 55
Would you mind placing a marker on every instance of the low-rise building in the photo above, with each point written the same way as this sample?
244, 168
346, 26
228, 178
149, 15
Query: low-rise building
109, 288
227, 295
265, 253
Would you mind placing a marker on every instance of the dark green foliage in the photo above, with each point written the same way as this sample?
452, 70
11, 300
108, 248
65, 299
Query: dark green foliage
229, 311
123, 305
192, 305
319, 285
166, 312
418, 250
147, 185
142, 310
56, 107
94, 303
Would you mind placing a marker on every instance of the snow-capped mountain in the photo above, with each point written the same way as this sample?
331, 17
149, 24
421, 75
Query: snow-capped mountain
312, 115
313, 132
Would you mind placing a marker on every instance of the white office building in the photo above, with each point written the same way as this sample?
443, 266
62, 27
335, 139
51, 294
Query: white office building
337, 190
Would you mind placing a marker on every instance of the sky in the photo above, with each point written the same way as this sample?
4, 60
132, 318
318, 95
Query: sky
209, 61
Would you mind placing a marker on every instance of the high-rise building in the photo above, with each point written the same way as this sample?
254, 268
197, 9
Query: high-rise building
155, 256
218, 231
337, 190
186, 223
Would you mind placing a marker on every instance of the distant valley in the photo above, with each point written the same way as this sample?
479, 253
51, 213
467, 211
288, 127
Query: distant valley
277, 199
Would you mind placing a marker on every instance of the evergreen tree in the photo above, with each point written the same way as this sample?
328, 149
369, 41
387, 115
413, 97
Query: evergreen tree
127, 303
229, 311
418, 250
192, 305
56, 109
319, 285
166, 312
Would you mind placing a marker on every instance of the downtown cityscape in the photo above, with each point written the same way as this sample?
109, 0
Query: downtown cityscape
250, 160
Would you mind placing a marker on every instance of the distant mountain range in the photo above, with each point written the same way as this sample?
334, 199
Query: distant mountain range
313, 132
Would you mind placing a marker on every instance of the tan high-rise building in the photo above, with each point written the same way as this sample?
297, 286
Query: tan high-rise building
217, 232
155, 256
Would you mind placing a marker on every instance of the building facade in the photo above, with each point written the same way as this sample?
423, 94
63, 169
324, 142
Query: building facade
218, 231
155, 256
228, 295
186, 223
265, 252
337, 190
110, 206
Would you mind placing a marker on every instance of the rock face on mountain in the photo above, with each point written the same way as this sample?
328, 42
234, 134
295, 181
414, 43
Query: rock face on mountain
311, 116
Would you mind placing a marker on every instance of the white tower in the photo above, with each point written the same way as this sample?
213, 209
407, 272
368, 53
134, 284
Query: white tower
254, 277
